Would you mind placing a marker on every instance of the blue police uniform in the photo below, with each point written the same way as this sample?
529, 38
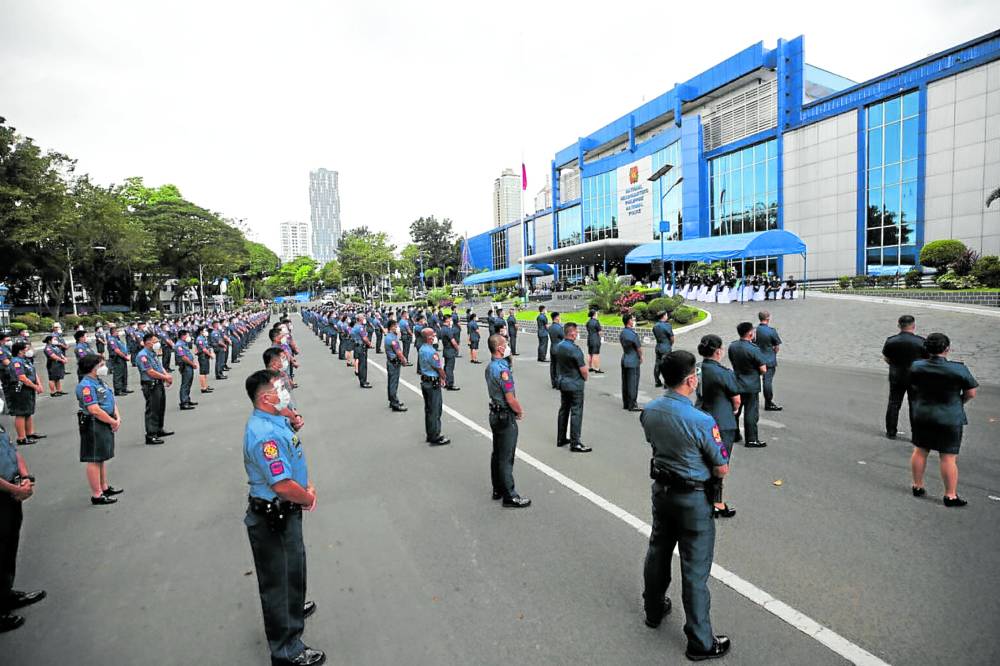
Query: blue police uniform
631, 364
379, 332
81, 349
503, 424
663, 333
6, 380
54, 365
512, 334
937, 412
556, 335
11, 516
593, 336
448, 351
204, 360
22, 402
746, 360
900, 350
152, 391
394, 359
428, 364
97, 440
406, 337
767, 340
118, 364
541, 330
183, 353
567, 358
218, 346
273, 453
359, 336
474, 337
686, 445
716, 390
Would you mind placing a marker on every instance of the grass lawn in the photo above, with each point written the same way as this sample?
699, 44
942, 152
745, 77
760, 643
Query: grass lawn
580, 317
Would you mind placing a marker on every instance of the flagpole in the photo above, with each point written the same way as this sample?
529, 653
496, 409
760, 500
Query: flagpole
524, 235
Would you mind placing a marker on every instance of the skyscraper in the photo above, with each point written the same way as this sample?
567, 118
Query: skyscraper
506, 198
294, 240
324, 204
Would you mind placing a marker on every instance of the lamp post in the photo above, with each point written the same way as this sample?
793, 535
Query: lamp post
664, 226
72, 285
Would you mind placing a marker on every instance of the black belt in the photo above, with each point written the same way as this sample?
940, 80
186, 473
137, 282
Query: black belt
151, 382
263, 507
682, 488
394, 361
497, 408
430, 380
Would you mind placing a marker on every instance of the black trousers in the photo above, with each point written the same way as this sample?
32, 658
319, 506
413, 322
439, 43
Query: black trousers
392, 390
431, 390
543, 348
165, 356
187, 377
220, 360
769, 384
552, 369
513, 342
280, 561
156, 405
378, 341
750, 406
503, 424
333, 337
119, 373
630, 387
896, 393
361, 354
570, 414
343, 349
657, 378
449, 370
11, 517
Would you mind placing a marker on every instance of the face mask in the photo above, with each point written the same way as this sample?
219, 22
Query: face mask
283, 399
506, 352
2, 404
434, 341
29, 352
102, 371
156, 346
284, 365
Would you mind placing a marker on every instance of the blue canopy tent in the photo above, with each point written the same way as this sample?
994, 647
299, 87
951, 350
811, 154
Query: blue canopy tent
775, 242
504, 274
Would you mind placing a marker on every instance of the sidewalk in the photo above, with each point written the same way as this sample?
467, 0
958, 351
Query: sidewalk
912, 303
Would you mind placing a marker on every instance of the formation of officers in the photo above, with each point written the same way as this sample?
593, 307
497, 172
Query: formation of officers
771, 284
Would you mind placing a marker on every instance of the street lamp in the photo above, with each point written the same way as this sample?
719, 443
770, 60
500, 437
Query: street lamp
664, 224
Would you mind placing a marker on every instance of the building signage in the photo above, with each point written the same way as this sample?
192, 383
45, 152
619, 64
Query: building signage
635, 196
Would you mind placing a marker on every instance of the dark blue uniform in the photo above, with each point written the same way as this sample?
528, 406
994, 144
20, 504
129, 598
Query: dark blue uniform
512, 333
406, 337
593, 336
152, 391
450, 353
11, 517
900, 350
937, 411
183, 354
428, 364
503, 425
664, 335
556, 335
359, 336
717, 388
541, 325
767, 340
631, 363
567, 358
394, 359
686, 445
746, 360
118, 363
97, 440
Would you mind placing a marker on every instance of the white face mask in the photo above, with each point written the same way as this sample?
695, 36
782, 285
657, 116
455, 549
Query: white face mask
284, 365
506, 352
284, 397
434, 340
2, 404
102, 371
156, 346
29, 352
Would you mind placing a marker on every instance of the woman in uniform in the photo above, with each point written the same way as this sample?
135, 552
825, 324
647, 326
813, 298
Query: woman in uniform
99, 421
719, 396
23, 391
939, 389
55, 364
473, 327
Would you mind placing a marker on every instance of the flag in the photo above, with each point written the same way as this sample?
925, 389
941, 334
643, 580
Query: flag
524, 177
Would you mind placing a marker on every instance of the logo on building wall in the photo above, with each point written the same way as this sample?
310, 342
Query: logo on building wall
633, 175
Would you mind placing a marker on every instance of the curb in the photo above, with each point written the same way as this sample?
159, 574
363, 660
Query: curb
904, 302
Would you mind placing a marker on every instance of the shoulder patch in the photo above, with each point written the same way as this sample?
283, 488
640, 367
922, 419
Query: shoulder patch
277, 467
716, 434
505, 375
270, 450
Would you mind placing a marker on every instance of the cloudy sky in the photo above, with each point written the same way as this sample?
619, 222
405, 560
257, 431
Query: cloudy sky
418, 105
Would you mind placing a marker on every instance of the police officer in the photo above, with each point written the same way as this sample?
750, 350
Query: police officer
55, 365
405, 335
81, 349
26, 386
378, 322
6, 358
769, 342
279, 491
204, 348
505, 412
542, 331
556, 336
152, 377
432, 378
218, 342
687, 454
167, 332
571, 377
512, 331
663, 332
473, 328
16, 486
359, 335
187, 365
594, 342
719, 396
99, 420
631, 363
394, 359
748, 366
118, 361
900, 351
449, 349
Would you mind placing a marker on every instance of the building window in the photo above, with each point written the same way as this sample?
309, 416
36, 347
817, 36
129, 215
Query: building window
571, 274
757, 266
499, 241
600, 206
744, 190
668, 184
891, 183
529, 237
570, 229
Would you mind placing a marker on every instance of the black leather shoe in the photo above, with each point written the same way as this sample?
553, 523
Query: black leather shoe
222, 377
773, 407
150, 441
208, 390
655, 617
562, 443
127, 391
37, 436
103, 499
755, 445
307, 657
497, 495
440, 441
452, 388
517, 503
165, 433
192, 403
890, 435
399, 408
954, 501
577, 447
186, 407
727, 512
119, 393
111, 490
918, 492
635, 408
22, 599
10, 622
720, 646
366, 385
308, 609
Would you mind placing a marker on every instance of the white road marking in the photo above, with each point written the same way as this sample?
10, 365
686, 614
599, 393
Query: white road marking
852, 652
771, 424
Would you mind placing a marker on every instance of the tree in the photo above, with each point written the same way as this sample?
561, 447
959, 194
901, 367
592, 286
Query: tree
364, 258
994, 195
135, 193
432, 274
941, 253
435, 239
293, 276
237, 291
330, 275
605, 291
408, 265
261, 262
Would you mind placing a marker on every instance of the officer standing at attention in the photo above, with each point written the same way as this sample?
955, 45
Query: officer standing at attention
748, 366
687, 454
81, 349
719, 396
205, 355
279, 491
449, 349
432, 378
118, 361
473, 326
16, 486
394, 359
456, 327
571, 377
768, 341
900, 351
512, 331
505, 412
405, 335
556, 335
187, 366
663, 332
594, 342
99, 421
55, 364
362, 344
152, 377
378, 323
631, 363
218, 349
542, 330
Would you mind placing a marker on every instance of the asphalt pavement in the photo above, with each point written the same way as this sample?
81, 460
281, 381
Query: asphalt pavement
410, 561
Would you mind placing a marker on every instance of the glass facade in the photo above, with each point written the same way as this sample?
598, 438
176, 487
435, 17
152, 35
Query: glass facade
571, 274
499, 243
668, 184
891, 183
570, 227
600, 206
529, 237
744, 190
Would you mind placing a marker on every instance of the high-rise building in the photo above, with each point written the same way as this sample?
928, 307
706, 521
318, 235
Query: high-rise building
294, 240
324, 205
506, 198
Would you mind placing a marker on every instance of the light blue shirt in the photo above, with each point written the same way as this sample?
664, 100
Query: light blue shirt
272, 452
429, 361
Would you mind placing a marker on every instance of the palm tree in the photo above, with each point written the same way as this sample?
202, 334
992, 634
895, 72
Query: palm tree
994, 195
605, 291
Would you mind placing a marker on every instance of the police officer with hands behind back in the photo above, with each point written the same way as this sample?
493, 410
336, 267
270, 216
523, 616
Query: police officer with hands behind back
279, 491
769, 342
571, 377
748, 366
900, 351
719, 396
687, 455
663, 332
394, 359
153, 379
505, 412
432, 378
631, 363
556, 335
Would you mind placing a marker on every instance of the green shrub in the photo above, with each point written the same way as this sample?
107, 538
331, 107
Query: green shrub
844, 281
18, 326
941, 253
665, 304
886, 281
952, 280
87, 321
46, 324
70, 321
987, 271
684, 314
859, 281
912, 279
965, 262
641, 310
30, 320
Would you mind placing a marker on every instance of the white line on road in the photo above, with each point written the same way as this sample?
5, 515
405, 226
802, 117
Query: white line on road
770, 423
834, 641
